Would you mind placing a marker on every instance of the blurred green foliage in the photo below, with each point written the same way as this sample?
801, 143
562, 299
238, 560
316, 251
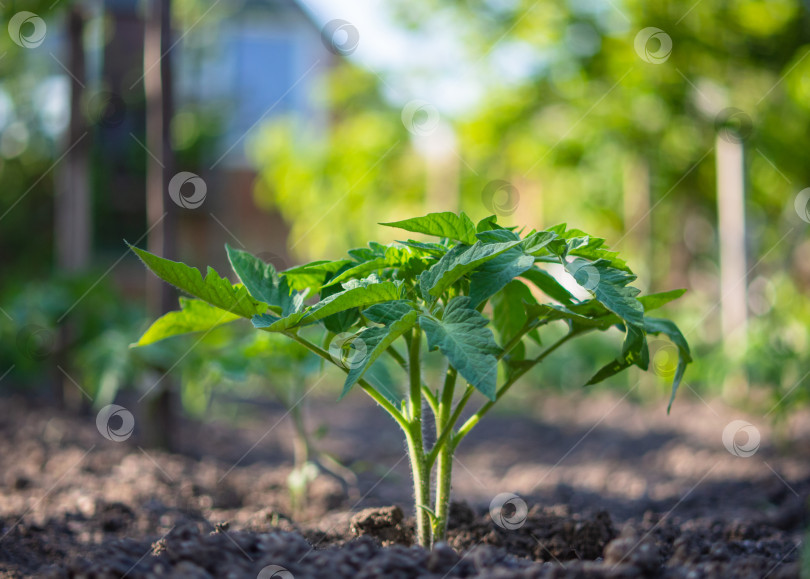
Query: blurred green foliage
361, 170
585, 107
30, 339
569, 106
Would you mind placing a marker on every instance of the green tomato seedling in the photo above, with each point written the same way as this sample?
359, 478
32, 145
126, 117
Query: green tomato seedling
469, 295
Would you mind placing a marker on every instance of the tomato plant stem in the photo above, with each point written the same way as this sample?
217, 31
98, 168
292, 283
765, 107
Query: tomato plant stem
444, 426
416, 450
426, 392
475, 418
367, 388
447, 433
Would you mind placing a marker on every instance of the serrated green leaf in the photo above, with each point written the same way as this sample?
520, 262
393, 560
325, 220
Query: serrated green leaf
193, 316
547, 283
341, 321
373, 251
610, 286
509, 314
312, 275
499, 235
577, 243
388, 312
354, 271
456, 263
445, 224
431, 249
262, 281
552, 312
462, 336
655, 301
271, 323
493, 275
634, 352
396, 257
668, 328
536, 243
487, 224
376, 341
215, 290
592, 248
358, 295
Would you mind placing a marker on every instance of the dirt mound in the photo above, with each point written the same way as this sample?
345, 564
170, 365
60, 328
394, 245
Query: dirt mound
74, 506
546, 546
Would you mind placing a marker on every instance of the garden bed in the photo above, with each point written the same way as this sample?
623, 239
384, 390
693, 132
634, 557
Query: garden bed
613, 490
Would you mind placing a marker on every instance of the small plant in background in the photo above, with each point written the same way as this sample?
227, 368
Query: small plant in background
43, 322
482, 295
230, 364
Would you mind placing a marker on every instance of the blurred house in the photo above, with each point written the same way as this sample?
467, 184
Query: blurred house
263, 59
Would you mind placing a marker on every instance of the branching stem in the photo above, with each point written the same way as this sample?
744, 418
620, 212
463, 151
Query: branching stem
475, 418
367, 388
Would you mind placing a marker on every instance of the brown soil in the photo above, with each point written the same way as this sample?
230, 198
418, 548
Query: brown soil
613, 489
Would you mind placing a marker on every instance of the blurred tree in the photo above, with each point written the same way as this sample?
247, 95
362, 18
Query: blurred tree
361, 173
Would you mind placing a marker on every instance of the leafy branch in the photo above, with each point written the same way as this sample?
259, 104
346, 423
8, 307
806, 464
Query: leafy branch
481, 296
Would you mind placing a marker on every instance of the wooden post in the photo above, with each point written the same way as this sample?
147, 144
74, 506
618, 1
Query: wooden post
441, 169
72, 219
637, 222
160, 210
731, 228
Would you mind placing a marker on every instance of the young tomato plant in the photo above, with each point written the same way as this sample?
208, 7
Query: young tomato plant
389, 299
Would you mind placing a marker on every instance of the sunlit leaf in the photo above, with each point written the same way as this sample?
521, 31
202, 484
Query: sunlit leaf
214, 289
548, 284
357, 295
634, 352
262, 281
654, 301
446, 224
668, 328
610, 286
193, 316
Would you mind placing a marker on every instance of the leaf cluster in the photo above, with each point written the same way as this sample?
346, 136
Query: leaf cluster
479, 292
